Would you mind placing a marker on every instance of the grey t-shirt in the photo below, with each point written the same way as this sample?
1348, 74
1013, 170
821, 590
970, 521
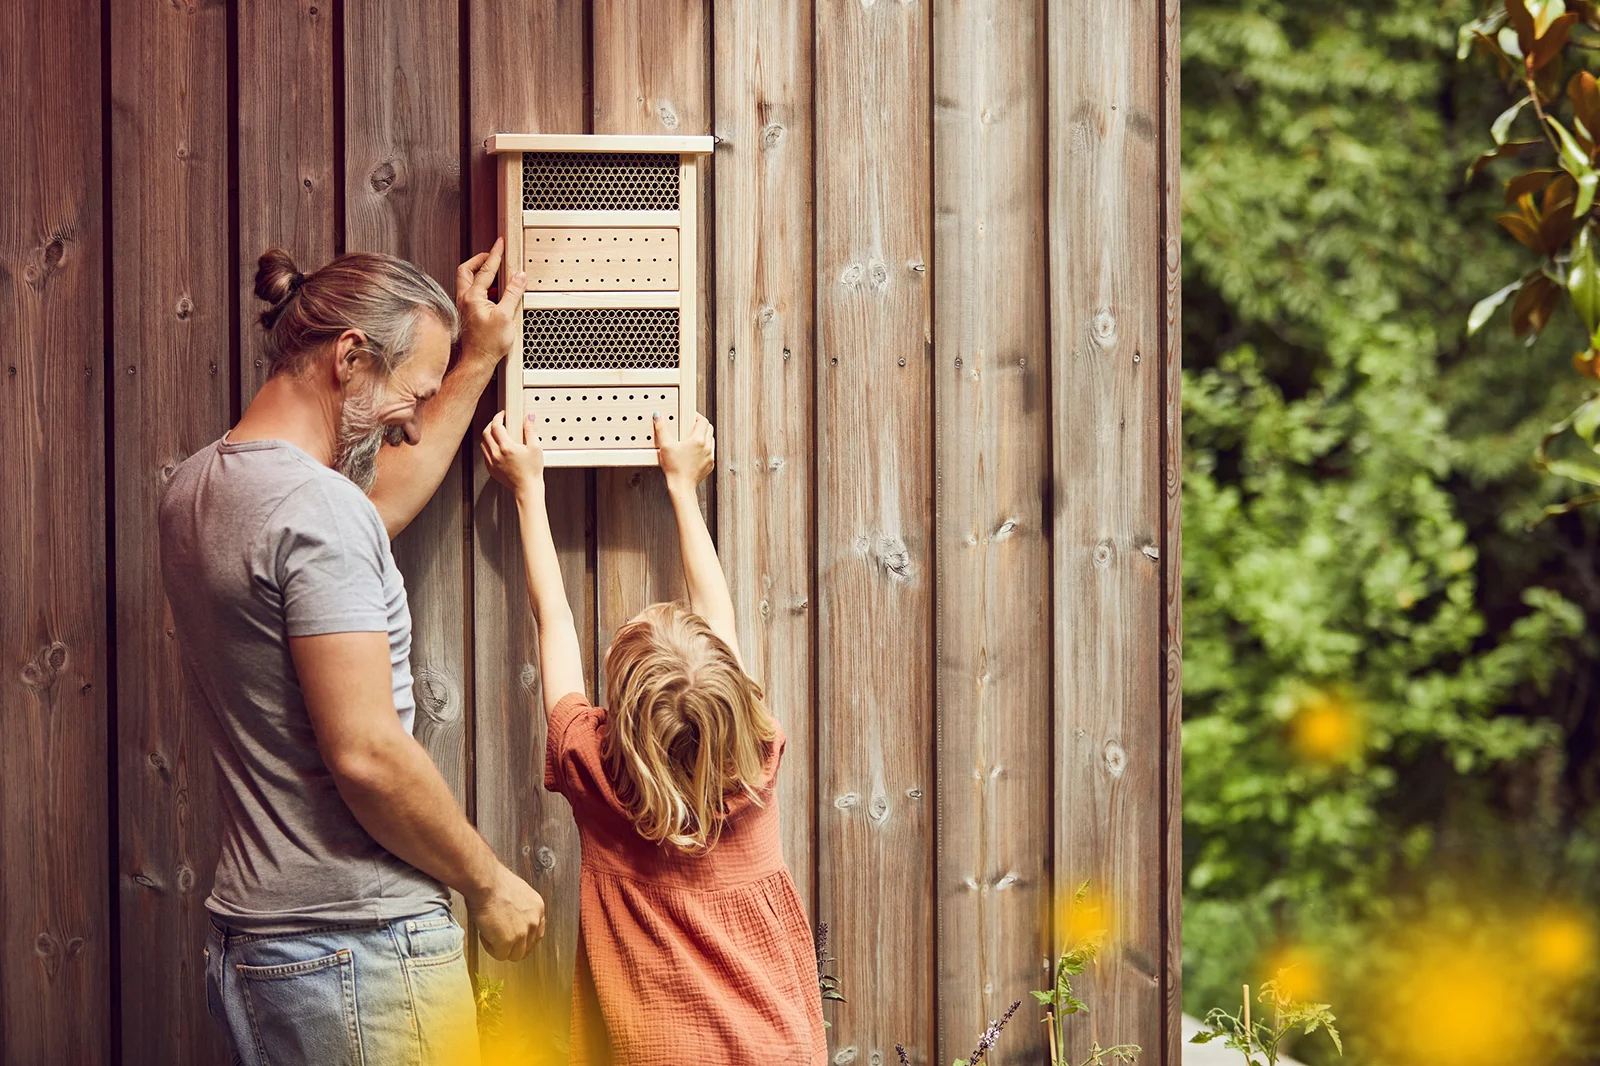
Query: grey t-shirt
260, 542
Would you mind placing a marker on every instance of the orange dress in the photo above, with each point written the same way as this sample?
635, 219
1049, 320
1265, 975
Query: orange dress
682, 958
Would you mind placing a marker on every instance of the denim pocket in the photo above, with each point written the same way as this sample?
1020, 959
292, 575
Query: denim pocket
304, 1011
441, 991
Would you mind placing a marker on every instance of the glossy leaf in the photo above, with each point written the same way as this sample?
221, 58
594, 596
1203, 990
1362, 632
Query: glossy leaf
1575, 161
1551, 41
1531, 311
1528, 183
1583, 281
1521, 26
1584, 92
1486, 26
1520, 228
1507, 117
1485, 308
1510, 148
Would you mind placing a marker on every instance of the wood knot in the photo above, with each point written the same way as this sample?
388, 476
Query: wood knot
1150, 551
766, 314
185, 879
847, 801
889, 554
184, 307
383, 177
878, 809
146, 881
914, 793
667, 114
771, 134
527, 677
848, 1054
1103, 328
432, 691
1004, 530
851, 275
49, 951
1116, 759
46, 666
1102, 555
880, 275
545, 857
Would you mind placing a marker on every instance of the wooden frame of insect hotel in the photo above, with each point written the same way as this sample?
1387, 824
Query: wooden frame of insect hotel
605, 227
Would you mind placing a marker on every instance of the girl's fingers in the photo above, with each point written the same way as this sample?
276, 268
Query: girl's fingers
529, 430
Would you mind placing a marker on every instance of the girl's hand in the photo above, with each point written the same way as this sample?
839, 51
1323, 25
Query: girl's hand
686, 462
516, 464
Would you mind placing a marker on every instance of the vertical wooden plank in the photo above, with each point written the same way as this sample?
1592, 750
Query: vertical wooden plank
287, 164
991, 340
527, 76
764, 363
171, 386
55, 919
651, 75
403, 196
875, 576
1172, 537
1107, 329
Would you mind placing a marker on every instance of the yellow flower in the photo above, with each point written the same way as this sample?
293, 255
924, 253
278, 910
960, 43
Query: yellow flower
1560, 944
1327, 728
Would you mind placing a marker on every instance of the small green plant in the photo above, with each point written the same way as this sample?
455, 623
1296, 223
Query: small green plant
828, 983
1288, 1013
1060, 1002
490, 1007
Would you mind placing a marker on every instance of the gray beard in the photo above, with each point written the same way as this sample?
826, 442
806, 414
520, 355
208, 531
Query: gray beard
355, 451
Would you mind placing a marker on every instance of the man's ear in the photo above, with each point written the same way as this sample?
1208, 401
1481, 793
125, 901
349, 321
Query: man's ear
349, 351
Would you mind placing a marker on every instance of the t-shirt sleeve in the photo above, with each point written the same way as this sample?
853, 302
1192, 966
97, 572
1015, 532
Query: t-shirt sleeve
571, 720
330, 554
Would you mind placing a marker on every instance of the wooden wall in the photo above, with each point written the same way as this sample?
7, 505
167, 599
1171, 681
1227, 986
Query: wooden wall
940, 345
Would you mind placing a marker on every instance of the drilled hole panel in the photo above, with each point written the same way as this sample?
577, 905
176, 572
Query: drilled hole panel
599, 418
600, 338
599, 181
584, 260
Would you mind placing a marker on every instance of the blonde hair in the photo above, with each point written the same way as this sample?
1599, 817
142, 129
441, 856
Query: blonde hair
381, 295
686, 727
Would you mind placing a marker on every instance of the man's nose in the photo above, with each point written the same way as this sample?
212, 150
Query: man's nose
413, 430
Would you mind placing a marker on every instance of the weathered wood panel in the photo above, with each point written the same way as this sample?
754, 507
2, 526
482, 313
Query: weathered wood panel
990, 375
171, 391
764, 365
55, 917
531, 830
287, 164
1107, 331
651, 75
874, 499
1172, 540
403, 196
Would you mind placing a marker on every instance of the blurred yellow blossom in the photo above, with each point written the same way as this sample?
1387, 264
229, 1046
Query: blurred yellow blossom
1560, 944
1327, 727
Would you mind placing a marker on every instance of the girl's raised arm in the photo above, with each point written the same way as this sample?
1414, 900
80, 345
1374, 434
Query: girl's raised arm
517, 462
686, 463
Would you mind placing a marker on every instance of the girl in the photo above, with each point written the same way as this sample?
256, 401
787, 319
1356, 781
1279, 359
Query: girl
692, 944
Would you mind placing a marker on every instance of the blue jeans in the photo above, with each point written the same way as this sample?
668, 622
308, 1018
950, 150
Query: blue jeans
388, 994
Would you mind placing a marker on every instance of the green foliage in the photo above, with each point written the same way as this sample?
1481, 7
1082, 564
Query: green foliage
1238, 1032
1357, 488
1060, 1002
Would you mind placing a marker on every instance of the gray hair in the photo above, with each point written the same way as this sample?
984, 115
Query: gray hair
380, 295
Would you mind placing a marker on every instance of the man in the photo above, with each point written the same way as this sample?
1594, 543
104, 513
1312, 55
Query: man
331, 939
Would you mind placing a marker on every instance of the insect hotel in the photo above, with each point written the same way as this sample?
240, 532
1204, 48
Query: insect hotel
605, 227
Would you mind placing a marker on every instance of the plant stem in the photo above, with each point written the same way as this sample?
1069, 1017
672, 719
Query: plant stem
1538, 109
1247, 1025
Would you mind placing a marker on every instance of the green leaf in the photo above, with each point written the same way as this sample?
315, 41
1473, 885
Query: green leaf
1575, 161
1486, 307
1046, 998
1508, 116
1487, 26
1586, 419
1204, 1037
1583, 280
1568, 468
1510, 148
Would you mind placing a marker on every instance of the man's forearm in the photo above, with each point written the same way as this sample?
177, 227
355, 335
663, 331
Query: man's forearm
408, 475
399, 797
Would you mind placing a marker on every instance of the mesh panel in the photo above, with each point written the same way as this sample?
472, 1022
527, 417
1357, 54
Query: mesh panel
599, 181
593, 338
